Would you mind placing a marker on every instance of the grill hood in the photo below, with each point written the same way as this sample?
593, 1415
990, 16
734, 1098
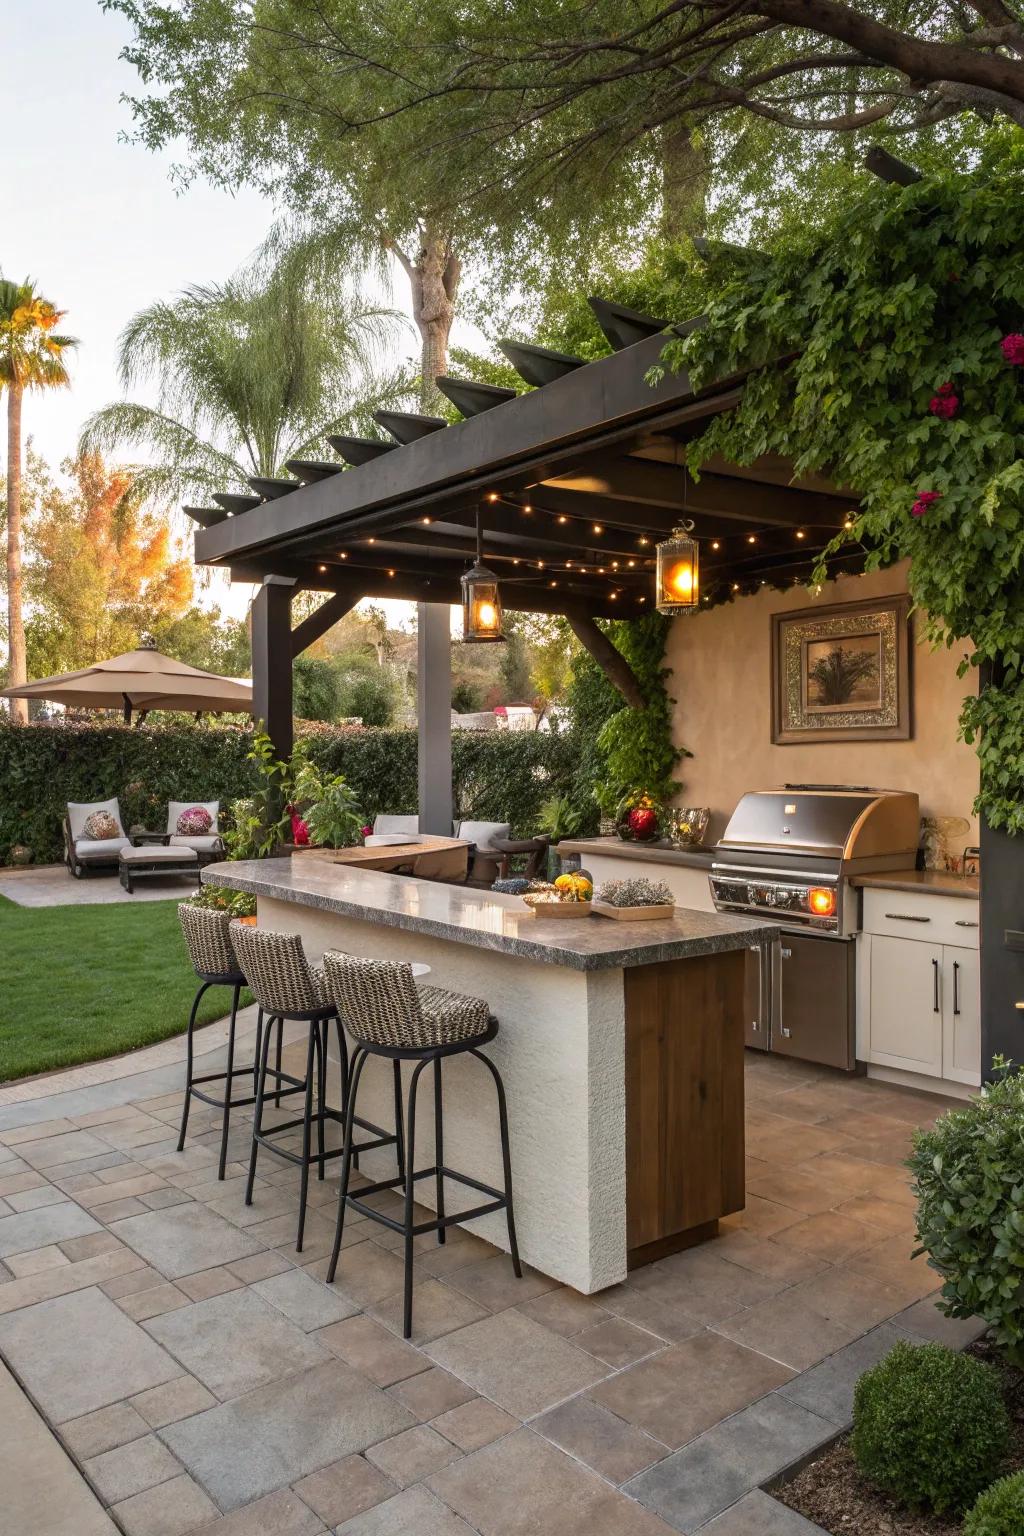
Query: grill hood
825, 821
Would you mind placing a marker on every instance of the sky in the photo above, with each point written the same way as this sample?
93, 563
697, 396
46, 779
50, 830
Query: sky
95, 221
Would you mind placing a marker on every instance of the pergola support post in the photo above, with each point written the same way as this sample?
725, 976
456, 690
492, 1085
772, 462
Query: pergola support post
611, 661
272, 661
434, 717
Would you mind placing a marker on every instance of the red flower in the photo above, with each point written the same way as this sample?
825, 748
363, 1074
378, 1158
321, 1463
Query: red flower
300, 832
945, 402
925, 499
1013, 349
367, 831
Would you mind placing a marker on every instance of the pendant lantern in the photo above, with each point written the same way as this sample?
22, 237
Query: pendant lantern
481, 600
678, 571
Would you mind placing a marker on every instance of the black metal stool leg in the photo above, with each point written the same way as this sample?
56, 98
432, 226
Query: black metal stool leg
188, 1063
506, 1160
312, 1063
358, 1059
410, 1183
321, 1091
399, 1128
257, 1119
439, 1144
258, 1052
280, 1032
229, 1082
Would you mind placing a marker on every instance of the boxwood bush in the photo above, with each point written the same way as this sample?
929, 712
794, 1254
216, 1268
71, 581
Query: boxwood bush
999, 1511
930, 1426
969, 1181
497, 776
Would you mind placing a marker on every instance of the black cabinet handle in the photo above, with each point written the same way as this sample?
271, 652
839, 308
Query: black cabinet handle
956, 986
935, 986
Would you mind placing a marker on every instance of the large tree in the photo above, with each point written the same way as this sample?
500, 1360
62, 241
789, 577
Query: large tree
101, 570
249, 373
555, 134
272, 92
32, 354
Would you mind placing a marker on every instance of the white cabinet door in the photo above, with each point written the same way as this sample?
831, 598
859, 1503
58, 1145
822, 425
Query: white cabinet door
906, 1005
961, 1015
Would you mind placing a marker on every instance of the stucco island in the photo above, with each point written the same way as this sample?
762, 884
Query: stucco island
621, 1047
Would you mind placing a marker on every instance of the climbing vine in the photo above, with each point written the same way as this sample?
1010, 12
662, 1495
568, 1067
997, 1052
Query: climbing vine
619, 749
888, 354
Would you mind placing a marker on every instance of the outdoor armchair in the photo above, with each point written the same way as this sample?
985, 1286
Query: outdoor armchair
83, 852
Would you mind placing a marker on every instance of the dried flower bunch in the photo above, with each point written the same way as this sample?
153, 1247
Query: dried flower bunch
635, 893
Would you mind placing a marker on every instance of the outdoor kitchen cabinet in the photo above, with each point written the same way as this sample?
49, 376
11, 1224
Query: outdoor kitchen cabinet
923, 1009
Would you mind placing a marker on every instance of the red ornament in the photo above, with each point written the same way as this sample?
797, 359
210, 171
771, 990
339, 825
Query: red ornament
300, 832
643, 823
925, 499
1013, 349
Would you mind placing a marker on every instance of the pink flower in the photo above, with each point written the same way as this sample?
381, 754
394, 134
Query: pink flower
367, 831
1013, 349
300, 832
945, 402
925, 499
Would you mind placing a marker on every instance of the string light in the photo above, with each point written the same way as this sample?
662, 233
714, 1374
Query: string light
715, 544
751, 538
800, 534
527, 507
642, 540
428, 519
343, 555
563, 518
493, 496
371, 541
598, 528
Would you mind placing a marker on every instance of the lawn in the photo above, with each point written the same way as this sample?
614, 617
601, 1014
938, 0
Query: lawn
80, 983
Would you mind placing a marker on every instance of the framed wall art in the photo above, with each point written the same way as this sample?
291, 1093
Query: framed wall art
842, 673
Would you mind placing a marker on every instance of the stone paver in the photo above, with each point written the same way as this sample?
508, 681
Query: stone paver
235, 1342
182, 1239
80, 1352
729, 1461
43, 1491
282, 1432
47, 1224
629, 1388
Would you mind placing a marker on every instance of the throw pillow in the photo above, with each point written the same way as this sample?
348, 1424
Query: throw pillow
100, 826
195, 822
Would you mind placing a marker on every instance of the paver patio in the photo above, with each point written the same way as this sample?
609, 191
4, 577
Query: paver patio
206, 1379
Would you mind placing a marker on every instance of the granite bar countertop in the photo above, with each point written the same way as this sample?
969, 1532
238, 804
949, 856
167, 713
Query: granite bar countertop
648, 853
487, 919
934, 881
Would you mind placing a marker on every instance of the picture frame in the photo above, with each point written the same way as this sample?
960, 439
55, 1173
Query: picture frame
842, 673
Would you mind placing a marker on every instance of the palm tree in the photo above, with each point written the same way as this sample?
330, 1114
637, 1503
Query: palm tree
31, 357
249, 373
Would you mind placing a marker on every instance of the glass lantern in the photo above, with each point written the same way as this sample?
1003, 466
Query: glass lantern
481, 600
481, 605
678, 572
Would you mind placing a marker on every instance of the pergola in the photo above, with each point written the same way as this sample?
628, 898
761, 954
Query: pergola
578, 479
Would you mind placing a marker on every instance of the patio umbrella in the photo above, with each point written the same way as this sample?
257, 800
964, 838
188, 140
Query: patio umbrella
141, 680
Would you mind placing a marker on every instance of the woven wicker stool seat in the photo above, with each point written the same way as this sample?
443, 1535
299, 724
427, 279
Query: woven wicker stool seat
388, 1015
216, 965
288, 987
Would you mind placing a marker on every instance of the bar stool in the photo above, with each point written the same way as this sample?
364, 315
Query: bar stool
388, 1015
287, 987
216, 965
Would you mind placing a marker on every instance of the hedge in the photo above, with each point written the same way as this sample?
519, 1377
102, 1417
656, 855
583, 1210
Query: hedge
496, 775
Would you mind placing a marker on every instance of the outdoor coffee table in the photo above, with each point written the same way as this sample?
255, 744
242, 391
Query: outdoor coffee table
140, 863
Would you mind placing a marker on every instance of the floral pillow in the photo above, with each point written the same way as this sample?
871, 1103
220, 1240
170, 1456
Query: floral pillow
195, 822
100, 826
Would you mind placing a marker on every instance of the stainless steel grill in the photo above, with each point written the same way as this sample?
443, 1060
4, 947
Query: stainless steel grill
790, 854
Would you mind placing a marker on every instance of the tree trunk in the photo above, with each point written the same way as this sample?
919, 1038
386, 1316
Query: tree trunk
685, 177
15, 623
434, 282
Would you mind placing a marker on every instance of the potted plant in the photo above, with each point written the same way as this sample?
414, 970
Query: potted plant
634, 900
568, 896
558, 818
219, 898
324, 809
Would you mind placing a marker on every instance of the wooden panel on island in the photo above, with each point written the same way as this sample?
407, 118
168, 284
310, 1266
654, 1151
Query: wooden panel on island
684, 1102
428, 858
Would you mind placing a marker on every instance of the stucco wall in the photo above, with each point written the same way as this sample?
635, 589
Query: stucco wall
721, 665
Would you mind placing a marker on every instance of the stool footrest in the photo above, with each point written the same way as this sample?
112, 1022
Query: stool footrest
497, 1202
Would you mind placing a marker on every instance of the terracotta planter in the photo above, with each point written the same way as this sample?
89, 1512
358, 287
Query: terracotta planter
250, 922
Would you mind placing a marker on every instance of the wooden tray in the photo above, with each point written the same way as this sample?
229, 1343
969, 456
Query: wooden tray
560, 908
633, 914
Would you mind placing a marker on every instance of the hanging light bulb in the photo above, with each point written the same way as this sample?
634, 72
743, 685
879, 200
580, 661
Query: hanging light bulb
678, 574
481, 600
